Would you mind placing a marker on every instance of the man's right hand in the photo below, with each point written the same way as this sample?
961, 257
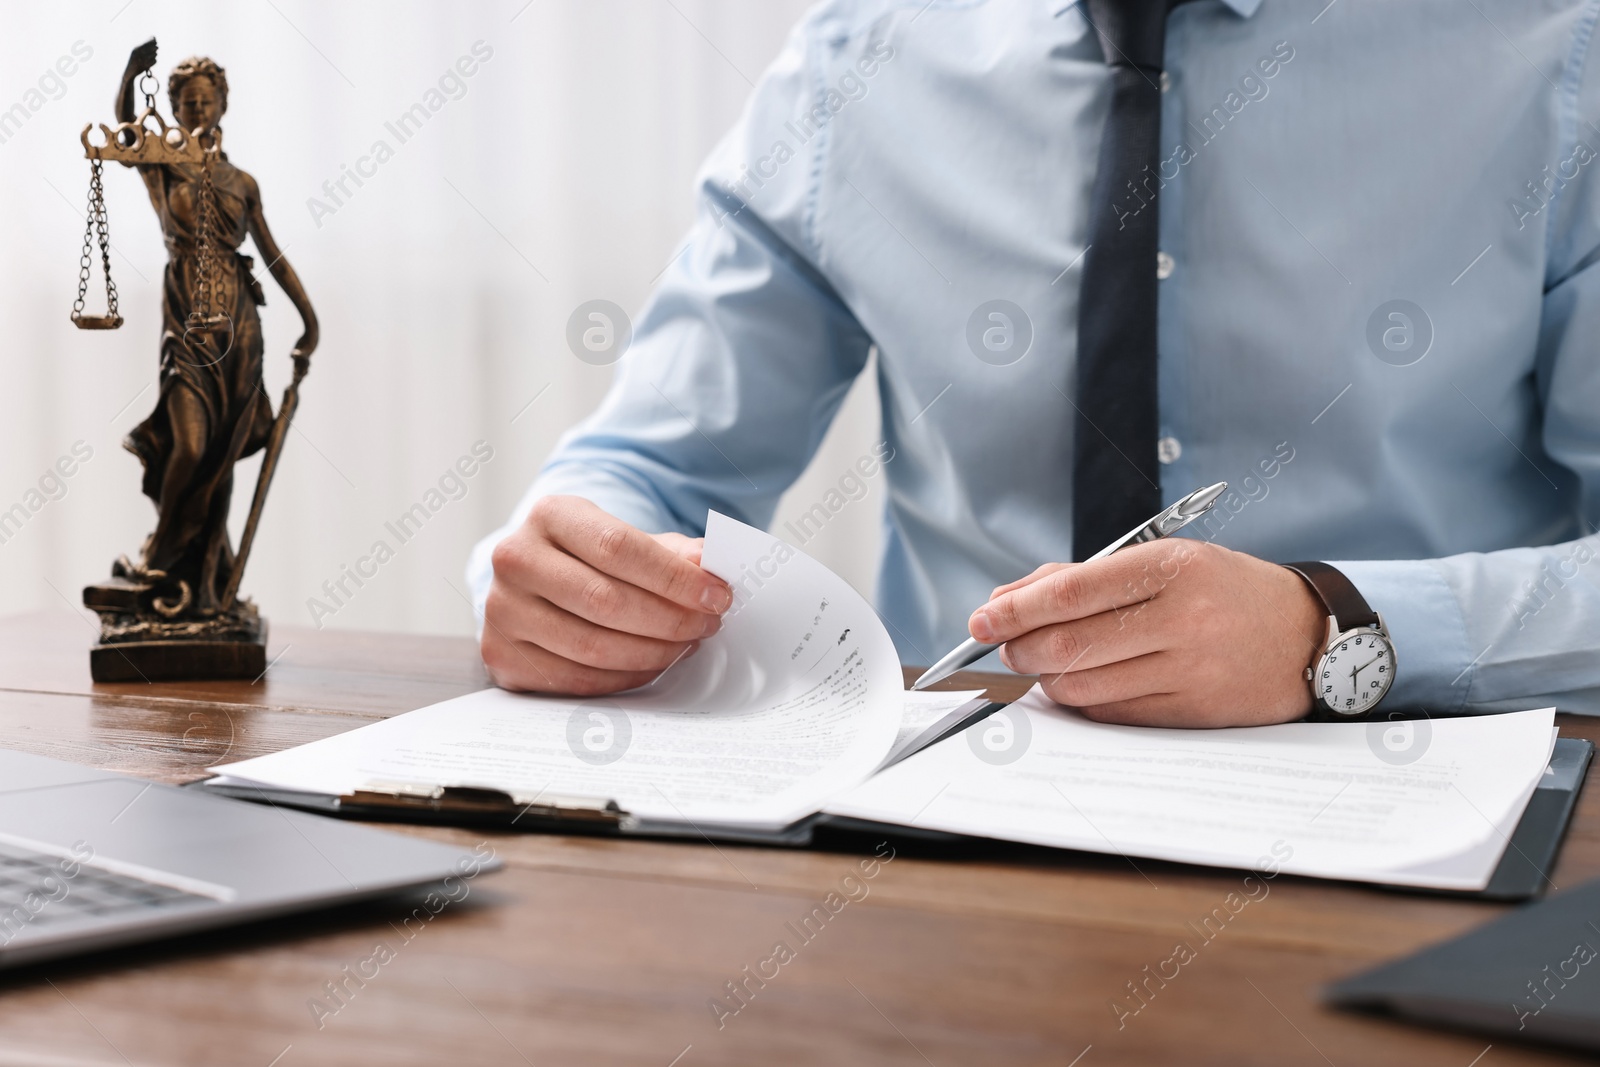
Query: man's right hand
583, 603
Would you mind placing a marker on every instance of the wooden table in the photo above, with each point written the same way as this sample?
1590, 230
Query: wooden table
595, 951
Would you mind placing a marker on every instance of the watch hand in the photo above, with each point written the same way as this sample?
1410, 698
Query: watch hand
1355, 679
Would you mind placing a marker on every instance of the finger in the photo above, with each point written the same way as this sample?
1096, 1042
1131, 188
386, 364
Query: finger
1061, 596
1141, 676
1080, 591
613, 547
1038, 572
526, 562
536, 620
688, 548
573, 585
1109, 637
525, 667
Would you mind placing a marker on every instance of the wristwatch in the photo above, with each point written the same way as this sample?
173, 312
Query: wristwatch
1356, 667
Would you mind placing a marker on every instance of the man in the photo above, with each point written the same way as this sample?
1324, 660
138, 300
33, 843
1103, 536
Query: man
1339, 255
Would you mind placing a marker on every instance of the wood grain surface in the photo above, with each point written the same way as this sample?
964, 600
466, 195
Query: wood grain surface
595, 951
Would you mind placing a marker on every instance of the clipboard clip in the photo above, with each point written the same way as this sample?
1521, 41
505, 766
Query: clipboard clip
480, 802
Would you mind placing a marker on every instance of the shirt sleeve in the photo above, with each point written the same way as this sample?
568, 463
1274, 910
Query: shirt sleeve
740, 358
1518, 628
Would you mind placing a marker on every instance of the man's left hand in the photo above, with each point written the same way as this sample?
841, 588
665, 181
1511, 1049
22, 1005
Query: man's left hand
1175, 632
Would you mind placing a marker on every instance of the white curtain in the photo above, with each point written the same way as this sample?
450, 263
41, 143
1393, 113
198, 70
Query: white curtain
558, 172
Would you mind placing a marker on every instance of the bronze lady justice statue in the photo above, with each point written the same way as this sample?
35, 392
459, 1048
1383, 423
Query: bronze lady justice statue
174, 613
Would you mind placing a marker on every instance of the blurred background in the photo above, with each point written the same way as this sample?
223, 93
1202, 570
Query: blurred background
560, 172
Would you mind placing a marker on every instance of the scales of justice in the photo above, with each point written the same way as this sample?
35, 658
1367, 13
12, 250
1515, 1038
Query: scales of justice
175, 612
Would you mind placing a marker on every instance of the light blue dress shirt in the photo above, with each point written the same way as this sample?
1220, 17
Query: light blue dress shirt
1379, 310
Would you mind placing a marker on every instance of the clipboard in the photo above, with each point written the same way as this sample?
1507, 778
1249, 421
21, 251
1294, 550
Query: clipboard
1520, 875
1531, 853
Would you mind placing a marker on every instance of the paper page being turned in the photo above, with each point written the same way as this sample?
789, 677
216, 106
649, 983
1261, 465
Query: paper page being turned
930, 715
1335, 800
797, 697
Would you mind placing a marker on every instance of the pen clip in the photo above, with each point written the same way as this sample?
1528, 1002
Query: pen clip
1189, 508
1171, 520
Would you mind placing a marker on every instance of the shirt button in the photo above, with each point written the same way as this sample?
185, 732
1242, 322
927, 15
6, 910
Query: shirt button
1166, 81
1168, 449
1165, 265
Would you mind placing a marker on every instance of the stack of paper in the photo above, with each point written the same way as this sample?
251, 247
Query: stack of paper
1326, 799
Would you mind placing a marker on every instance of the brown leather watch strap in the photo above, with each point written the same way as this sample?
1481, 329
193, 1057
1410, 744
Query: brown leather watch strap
1338, 594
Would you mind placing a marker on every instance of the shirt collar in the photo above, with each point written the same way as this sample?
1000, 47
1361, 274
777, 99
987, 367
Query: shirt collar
1243, 8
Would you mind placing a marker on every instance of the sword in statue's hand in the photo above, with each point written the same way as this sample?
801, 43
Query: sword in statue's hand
269, 465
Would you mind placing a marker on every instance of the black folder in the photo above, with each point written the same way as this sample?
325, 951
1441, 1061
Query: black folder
1524, 869
1520, 875
1532, 974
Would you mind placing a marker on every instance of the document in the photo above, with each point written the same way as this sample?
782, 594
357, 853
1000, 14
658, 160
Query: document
1335, 800
798, 697
797, 707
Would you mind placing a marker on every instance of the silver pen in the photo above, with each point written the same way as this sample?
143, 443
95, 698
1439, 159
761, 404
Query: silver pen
1164, 524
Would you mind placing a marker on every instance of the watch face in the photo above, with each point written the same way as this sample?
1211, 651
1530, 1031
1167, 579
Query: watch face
1356, 672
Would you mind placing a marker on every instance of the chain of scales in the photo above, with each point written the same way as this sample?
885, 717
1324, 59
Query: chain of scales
206, 282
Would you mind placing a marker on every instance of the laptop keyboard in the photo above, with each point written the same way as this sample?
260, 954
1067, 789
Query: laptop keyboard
56, 897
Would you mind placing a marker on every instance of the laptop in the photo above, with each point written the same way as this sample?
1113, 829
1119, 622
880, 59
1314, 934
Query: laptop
91, 859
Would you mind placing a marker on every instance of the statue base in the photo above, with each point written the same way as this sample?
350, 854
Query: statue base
138, 644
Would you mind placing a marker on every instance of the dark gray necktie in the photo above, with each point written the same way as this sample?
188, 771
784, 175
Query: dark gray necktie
1116, 477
